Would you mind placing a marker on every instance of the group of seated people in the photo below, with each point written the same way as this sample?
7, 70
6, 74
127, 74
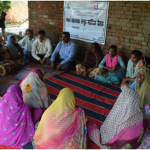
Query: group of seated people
109, 69
39, 50
29, 119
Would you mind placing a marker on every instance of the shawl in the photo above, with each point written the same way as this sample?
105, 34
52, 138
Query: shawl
16, 126
146, 144
143, 89
90, 60
131, 69
13, 49
114, 61
35, 93
124, 126
37, 71
58, 123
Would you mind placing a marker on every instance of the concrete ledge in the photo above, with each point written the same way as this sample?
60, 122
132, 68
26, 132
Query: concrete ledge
18, 37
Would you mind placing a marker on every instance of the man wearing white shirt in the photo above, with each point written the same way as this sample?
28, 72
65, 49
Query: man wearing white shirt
27, 42
41, 49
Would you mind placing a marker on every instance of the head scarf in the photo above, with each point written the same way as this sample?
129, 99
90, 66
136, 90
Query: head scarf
16, 126
35, 93
124, 125
13, 49
90, 60
58, 123
37, 71
143, 89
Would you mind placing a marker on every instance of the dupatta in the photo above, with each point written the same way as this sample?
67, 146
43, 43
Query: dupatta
90, 60
60, 123
143, 89
124, 127
13, 49
35, 93
16, 125
114, 61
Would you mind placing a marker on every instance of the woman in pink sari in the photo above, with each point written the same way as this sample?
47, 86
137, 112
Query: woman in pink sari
16, 119
35, 93
124, 127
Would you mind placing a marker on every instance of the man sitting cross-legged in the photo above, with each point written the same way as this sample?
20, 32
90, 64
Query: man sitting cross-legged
27, 42
64, 55
41, 49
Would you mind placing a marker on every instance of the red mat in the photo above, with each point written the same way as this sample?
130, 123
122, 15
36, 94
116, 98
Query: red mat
96, 98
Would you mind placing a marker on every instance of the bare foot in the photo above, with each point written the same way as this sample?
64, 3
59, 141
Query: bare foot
45, 63
115, 83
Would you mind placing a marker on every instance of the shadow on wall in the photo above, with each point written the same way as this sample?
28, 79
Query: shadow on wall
18, 12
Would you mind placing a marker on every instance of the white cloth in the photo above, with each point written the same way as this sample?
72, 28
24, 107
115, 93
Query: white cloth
27, 43
125, 113
41, 48
35, 93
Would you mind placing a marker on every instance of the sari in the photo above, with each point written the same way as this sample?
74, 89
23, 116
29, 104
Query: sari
35, 93
90, 60
143, 89
124, 127
146, 142
62, 126
13, 52
16, 125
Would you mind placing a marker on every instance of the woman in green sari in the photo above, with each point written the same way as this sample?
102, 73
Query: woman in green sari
142, 86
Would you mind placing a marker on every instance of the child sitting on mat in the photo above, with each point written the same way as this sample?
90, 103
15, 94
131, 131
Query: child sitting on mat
132, 67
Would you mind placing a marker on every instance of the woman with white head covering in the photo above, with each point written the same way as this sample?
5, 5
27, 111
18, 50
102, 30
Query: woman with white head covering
14, 51
124, 127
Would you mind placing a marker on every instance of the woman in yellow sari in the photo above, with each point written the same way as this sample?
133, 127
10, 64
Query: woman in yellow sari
62, 125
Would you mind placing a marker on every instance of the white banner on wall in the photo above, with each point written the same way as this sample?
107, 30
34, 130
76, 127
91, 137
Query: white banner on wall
86, 20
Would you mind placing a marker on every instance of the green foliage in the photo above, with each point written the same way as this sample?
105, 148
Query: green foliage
5, 6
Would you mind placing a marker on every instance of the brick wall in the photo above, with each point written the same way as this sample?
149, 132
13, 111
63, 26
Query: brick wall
128, 25
47, 15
